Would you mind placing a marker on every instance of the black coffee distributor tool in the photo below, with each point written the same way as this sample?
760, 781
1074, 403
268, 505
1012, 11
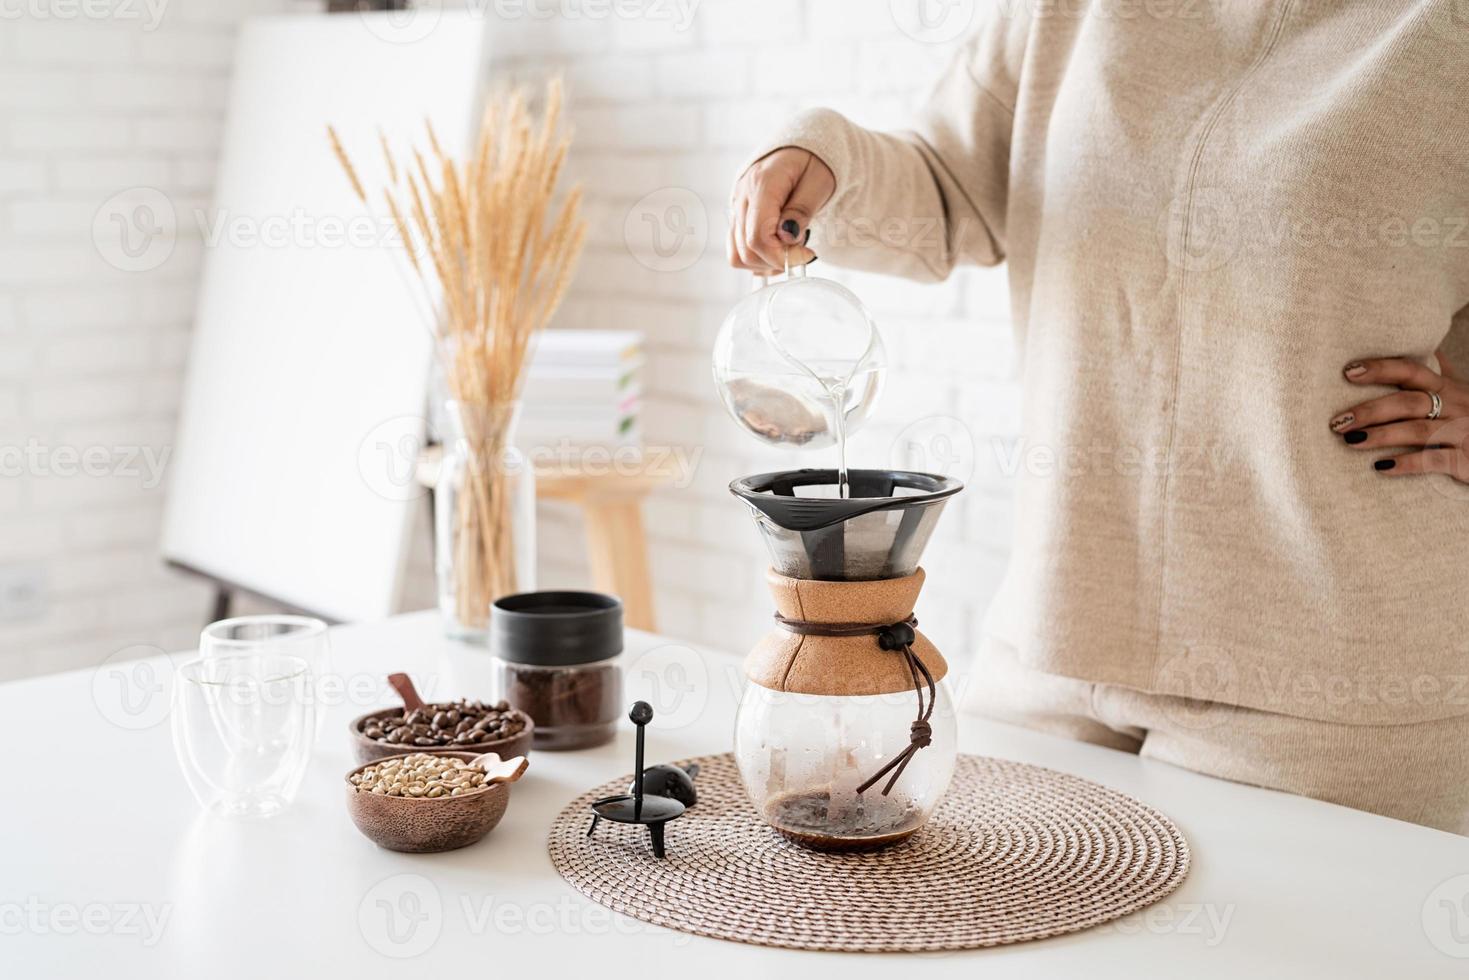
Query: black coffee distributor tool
638, 807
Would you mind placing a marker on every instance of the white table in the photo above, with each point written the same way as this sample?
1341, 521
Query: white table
100, 840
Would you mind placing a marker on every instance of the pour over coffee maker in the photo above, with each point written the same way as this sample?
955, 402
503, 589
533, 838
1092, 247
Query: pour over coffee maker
846, 732
846, 736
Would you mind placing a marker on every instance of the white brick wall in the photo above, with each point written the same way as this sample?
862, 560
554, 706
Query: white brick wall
93, 356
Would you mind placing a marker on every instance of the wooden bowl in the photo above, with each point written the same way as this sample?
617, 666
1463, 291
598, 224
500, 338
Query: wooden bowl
420, 825
367, 750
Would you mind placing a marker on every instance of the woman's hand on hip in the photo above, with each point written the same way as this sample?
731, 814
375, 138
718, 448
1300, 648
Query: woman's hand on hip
771, 207
1428, 416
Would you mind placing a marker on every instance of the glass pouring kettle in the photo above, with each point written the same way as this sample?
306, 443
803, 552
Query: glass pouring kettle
799, 362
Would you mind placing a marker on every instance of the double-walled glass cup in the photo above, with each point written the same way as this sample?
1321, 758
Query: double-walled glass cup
278, 634
243, 727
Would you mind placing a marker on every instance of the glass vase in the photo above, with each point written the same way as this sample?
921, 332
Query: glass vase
484, 516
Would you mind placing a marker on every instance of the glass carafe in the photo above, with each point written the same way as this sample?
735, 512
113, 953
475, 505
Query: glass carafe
804, 757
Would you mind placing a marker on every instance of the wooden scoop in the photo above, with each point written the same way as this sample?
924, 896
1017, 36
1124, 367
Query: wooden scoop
403, 684
499, 770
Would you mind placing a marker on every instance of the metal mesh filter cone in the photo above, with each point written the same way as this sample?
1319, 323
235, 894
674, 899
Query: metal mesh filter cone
878, 532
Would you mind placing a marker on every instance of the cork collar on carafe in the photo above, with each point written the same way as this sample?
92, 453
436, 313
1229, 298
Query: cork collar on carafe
840, 665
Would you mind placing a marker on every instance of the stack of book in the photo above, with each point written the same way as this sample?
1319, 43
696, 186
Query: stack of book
582, 389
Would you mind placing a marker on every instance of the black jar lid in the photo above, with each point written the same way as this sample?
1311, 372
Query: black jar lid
556, 629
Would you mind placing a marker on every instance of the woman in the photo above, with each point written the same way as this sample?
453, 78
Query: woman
1239, 268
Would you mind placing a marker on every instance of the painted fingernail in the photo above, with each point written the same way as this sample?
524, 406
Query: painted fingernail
1384, 464
1352, 438
1355, 369
791, 228
807, 239
813, 259
1342, 421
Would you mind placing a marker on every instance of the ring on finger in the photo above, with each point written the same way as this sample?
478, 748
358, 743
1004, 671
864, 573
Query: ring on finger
1437, 408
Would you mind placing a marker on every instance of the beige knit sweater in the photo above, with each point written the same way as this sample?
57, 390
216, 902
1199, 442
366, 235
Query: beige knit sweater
1207, 212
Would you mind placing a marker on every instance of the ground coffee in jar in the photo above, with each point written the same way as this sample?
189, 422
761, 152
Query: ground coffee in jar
557, 659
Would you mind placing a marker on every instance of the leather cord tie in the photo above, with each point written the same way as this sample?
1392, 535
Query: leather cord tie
896, 637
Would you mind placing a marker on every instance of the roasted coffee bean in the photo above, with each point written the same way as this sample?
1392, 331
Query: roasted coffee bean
449, 723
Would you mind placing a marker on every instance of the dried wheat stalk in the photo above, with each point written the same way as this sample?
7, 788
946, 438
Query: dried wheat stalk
495, 253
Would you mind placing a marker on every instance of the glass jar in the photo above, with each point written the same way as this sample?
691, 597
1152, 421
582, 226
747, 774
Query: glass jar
572, 707
484, 516
558, 658
803, 756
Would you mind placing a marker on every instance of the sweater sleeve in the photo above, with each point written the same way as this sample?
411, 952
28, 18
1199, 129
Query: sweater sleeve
918, 202
1456, 344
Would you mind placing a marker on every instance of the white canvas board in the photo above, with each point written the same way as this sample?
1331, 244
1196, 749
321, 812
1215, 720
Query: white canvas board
310, 359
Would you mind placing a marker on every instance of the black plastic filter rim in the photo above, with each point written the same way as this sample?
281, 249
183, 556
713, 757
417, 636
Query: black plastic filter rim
782, 483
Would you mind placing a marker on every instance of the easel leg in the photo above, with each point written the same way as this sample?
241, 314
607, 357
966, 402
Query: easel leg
655, 831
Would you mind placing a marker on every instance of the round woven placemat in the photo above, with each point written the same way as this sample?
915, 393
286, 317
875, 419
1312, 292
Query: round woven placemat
1014, 852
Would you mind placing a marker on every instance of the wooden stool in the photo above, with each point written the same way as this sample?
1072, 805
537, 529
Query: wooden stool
612, 508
